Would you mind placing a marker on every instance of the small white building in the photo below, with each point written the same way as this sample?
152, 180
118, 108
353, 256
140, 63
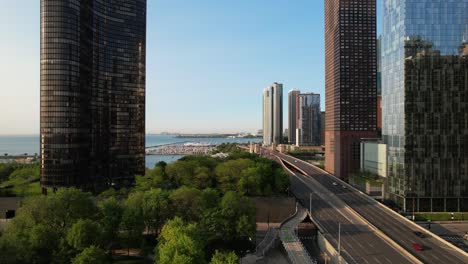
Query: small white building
374, 157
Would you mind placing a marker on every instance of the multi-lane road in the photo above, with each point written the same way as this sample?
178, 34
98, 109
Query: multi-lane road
371, 233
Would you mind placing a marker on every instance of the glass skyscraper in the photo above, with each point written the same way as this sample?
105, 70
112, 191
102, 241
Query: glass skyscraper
308, 120
443, 24
92, 92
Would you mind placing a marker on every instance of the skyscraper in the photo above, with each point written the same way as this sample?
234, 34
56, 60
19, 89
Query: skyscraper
350, 76
292, 98
92, 130
410, 27
273, 114
308, 120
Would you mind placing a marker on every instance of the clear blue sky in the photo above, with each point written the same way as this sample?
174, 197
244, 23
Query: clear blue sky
207, 61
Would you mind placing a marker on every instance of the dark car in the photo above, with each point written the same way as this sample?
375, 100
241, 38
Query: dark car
419, 234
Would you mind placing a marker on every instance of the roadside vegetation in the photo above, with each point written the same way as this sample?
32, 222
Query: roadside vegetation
441, 216
195, 210
19, 180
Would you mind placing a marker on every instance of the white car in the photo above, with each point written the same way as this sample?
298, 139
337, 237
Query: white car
335, 184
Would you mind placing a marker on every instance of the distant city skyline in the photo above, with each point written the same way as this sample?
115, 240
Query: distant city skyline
221, 64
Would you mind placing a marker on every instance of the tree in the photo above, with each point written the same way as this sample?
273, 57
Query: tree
179, 242
67, 206
249, 183
156, 209
36, 234
203, 178
238, 214
187, 203
44, 240
91, 255
181, 172
229, 173
82, 234
209, 198
162, 165
110, 212
224, 258
132, 224
281, 181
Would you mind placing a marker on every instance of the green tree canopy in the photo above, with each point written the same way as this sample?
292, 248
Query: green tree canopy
179, 242
132, 224
186, 202
36, 234
238, 214
224, 258
91, 255
229, 173
110, 216
82, 234
156, 209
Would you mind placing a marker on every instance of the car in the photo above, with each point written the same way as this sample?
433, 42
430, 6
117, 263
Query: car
419, 234
335, 184
344, 187
417, 246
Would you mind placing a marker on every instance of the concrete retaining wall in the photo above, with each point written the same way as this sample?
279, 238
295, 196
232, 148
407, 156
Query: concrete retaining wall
327, 248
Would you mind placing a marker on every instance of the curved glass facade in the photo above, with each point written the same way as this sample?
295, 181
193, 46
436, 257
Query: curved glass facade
442, 24
92, 92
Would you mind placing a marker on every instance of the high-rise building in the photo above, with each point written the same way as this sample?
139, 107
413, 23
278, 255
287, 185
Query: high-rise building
379, 87
292, 116
92, 128
437, 182
273, 114
308, 131
351, 78
322, 128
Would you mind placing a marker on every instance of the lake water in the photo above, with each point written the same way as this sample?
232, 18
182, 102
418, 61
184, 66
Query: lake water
17, 145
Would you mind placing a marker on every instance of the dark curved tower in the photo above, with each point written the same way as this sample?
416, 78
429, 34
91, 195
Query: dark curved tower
92, 92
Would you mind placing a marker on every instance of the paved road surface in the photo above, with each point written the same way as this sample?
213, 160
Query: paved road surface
359, 243
395, 227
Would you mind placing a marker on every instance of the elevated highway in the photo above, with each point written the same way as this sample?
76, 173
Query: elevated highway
371, 232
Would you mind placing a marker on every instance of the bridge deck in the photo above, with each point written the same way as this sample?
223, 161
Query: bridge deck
331, 203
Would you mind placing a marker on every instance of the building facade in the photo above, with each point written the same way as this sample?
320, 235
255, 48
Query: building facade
292, 116
273, 114
92, 123
308, 131
351, 78
409, 27
322, 128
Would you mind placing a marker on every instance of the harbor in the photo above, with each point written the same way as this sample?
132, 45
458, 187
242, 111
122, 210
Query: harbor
189, 148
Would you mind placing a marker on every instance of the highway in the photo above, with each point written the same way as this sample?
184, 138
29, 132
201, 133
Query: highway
357, 241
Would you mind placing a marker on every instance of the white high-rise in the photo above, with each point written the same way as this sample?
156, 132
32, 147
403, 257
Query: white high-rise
273, 114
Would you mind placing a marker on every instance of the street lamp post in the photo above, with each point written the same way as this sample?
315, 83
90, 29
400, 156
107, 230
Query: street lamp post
339, 242
310, 203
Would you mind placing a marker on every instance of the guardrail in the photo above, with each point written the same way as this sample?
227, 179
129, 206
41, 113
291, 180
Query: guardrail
411, 223
291, 256
267, 242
